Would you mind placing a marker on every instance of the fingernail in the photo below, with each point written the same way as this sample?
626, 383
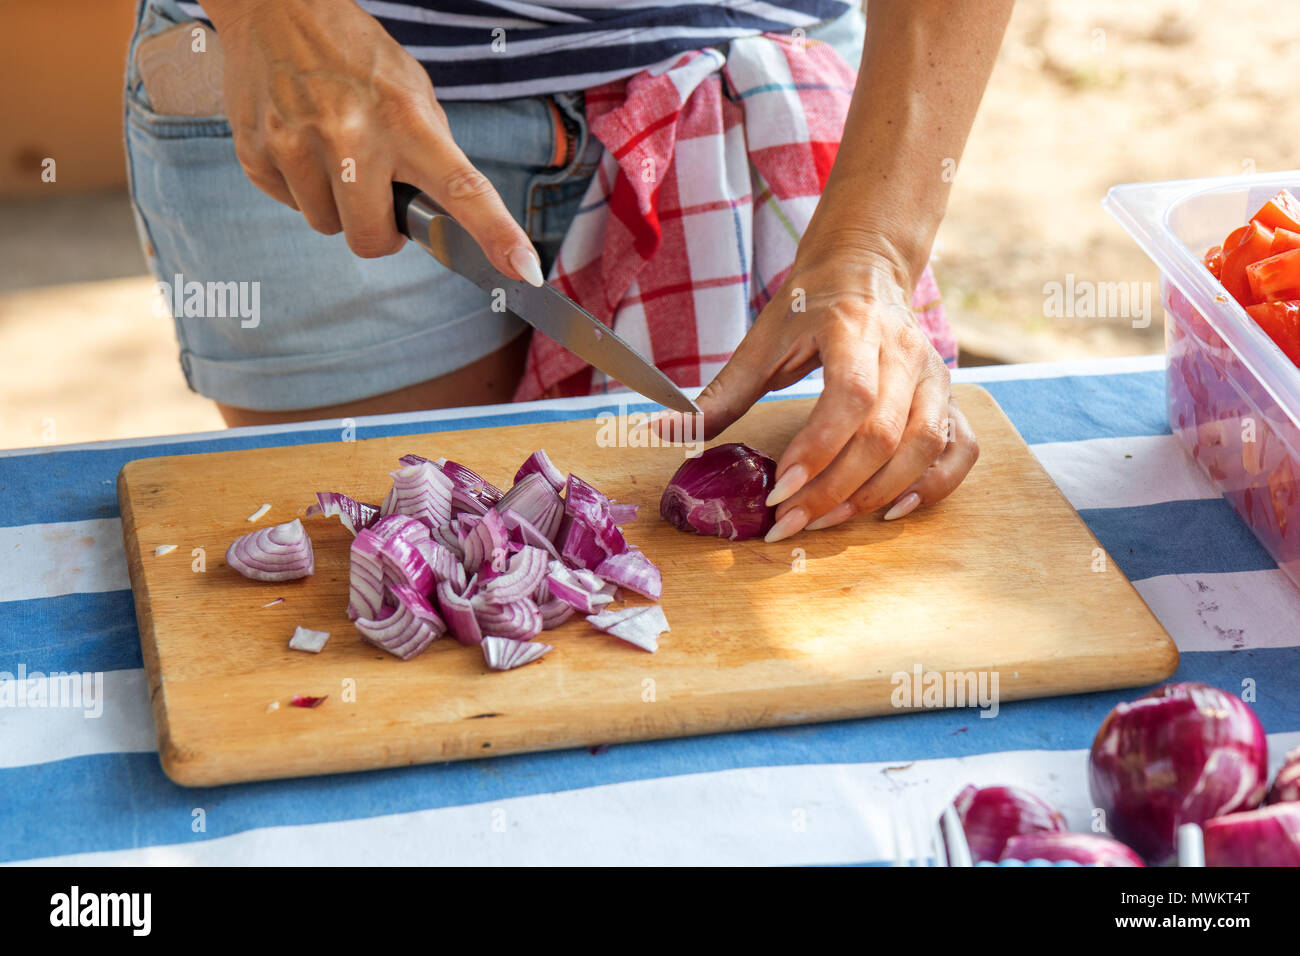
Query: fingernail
837, 515
793, 479
792, 523
904, 506
527, 264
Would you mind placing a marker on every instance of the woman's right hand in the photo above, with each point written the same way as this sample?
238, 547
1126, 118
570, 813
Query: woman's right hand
328, 111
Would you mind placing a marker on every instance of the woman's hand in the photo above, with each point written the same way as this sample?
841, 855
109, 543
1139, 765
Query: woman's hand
328, 111
885, 430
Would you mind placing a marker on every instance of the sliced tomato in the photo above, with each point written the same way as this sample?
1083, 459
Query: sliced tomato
1214, 260
1281, 321
1234, 238
1275, 278
1254, 246
1280, 212
1284, 240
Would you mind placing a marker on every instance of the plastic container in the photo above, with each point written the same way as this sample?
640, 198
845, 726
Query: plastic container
1233, 397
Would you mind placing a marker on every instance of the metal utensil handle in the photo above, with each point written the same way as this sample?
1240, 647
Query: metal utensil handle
412, 207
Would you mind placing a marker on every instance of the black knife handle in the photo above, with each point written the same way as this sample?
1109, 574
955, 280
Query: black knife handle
403, 193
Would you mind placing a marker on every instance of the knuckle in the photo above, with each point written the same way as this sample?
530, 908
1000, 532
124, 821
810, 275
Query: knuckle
884, 433
932, 436
290, 146
856, 387
466, 184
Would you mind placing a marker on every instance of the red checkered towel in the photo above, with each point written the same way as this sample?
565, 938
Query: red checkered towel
711, 171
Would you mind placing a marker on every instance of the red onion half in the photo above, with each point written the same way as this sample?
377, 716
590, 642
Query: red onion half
722, 492
1088, 849
1185, 753
990, 816
281, 552
1269, 836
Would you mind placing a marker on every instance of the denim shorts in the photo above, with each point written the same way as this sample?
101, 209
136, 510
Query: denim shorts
331, 327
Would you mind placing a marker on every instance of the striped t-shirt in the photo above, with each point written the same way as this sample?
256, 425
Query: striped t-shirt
496, 49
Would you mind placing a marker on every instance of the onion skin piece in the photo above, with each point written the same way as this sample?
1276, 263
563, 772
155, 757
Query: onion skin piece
1086, 849
1269, 836
722, 492
1185, 753
990, 816
1286, 785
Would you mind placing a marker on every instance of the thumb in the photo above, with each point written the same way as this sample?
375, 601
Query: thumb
444, 172
736, 387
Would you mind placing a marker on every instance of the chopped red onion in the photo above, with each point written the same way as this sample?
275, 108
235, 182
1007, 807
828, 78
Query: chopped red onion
525, 532
420, 490
305, 639
405, 563
539, 463
366, 575
587, 506
445, 563
519, 619
281, 552
534, 500
353, 515
503, 654
722, 491
554, 613
408, 630
622, 514
301, 700
565, 586
633, 570
636, 625
458, 612
524, 573
485, 537
470, 492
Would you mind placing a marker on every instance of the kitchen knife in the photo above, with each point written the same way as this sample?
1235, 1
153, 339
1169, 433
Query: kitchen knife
546, 309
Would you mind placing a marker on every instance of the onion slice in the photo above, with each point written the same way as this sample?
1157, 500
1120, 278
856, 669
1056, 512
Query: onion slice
636, 625
503, 654
539, 463
458, 612
305, 639
633, 570
408, 629
420, 490
353, 515
281, 552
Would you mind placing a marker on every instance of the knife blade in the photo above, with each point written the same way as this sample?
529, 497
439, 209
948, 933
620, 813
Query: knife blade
546, 309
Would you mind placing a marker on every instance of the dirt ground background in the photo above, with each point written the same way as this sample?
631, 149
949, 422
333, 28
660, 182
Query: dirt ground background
1084, 96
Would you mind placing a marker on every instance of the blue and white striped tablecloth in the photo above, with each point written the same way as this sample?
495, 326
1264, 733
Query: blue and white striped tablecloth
78, 789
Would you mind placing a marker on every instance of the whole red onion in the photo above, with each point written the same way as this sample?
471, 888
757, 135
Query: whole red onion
1185, 753
1089, 849
990, 816
722, 491
1286, 785
1269, 836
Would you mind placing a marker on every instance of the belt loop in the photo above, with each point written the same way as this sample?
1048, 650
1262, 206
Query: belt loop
563, 136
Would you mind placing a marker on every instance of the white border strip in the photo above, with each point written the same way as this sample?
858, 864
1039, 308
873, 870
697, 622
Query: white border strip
759, 816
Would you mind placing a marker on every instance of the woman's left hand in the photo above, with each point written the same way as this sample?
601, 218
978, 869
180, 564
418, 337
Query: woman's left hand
885, 430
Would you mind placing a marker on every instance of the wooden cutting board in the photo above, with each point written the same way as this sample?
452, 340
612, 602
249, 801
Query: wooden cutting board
1002, 577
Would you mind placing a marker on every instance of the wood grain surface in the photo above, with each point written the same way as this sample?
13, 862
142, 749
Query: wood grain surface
1002, 578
